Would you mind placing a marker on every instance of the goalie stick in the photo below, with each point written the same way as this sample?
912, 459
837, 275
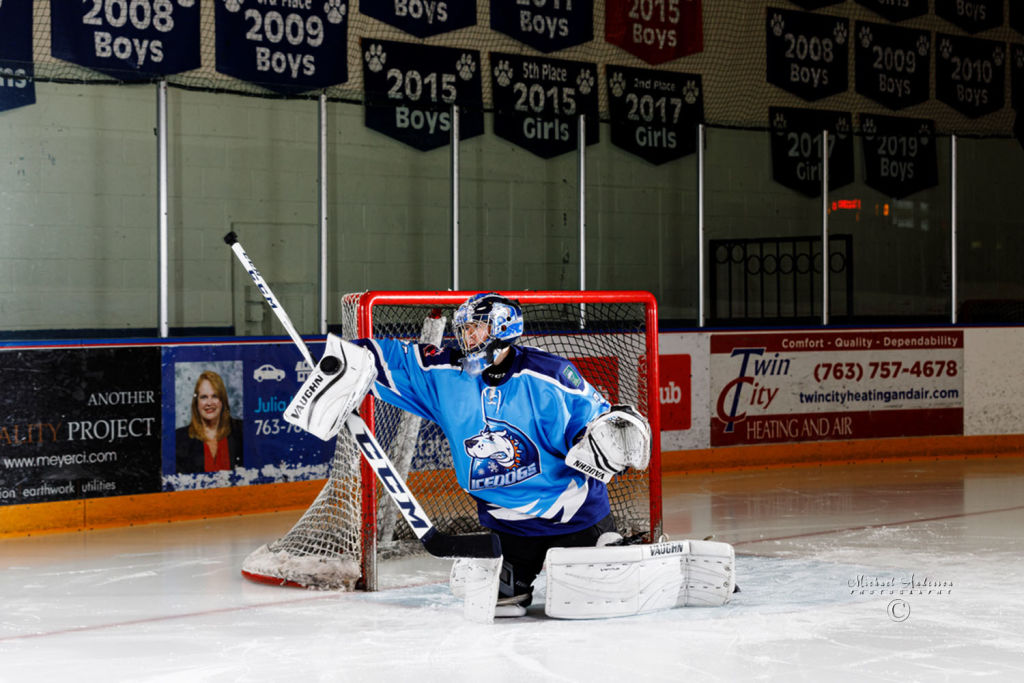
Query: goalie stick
435, 542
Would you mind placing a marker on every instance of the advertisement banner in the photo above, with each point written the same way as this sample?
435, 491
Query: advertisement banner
674, 392
972, 16
654, 114
970, 74
423, 18
899, 154
796, 148
807, 53
656, 31
537, 102
410, 90
545, 25
289, 47
79, 423
821, 386
17, 87
896, 11
135, 40
893, 64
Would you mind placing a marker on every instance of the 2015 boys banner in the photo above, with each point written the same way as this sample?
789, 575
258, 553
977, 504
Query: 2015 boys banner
423, 18
654, 114
17, 87
806, 53
656, 31
286, 47
537, 102
896, 11
545, 25
410, 90
134, 40
820, 386
892, 64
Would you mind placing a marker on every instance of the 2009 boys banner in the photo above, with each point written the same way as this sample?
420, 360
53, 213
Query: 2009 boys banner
821, 386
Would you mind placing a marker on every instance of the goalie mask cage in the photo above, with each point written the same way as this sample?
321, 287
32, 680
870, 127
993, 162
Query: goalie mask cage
612, 339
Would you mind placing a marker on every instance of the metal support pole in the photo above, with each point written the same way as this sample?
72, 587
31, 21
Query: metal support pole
952, 228
455, 197
162, 206
322, 187
824, 227
700, 226
581, 162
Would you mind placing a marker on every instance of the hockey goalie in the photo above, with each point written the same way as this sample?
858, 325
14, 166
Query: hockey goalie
534, 444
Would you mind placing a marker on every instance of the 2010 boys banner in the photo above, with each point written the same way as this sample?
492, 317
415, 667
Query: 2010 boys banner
821, 386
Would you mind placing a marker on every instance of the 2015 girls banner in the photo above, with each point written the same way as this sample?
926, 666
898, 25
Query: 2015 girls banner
796, 148
970, 74
127, 39
821, 386
656, 31
17, 87
410, 90
896, 11
807, 53
423, 18
79, 423
537, 102
899, 154
893, 64
289, 47
654, 114
545, 25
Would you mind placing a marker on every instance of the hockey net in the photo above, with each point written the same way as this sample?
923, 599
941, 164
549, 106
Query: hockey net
611, 337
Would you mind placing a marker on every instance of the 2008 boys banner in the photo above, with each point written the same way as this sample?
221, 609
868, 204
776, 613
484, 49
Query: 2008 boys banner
820, 386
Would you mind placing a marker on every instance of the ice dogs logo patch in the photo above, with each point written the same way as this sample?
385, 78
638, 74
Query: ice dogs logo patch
501, 456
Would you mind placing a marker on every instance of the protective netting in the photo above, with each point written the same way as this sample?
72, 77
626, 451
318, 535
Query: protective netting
608, 343
731, 59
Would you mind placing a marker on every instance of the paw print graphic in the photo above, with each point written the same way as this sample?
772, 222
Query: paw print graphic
617, 84
691, 92
865, 36
778, 25
335, 10
585, 81
375, 57
945, 48
504, 73
780, 121
841, 33
843, 127
868, 127
998, 56
924, 46
233, 5
1018, 56
925, 134
465, 67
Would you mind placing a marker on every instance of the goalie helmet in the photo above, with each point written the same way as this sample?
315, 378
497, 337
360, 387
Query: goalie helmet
504, 320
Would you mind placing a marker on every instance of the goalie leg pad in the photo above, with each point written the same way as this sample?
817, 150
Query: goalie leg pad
618, 581
475, 580
333, 389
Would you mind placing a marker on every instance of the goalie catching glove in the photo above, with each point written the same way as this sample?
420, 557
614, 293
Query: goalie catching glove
612, 442
333, 389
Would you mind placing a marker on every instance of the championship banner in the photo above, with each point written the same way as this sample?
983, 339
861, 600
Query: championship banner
537, 102
970, 74
892, 64
79, 423
972, 16
815, 4
288, 47
545, 25
823, 386
423, 18
796, 148
136, 40
656, 31
899, 154
654, 114
807, 53
410, 90
254, 384
1017, 76
1016, 18
896, 11
17, 84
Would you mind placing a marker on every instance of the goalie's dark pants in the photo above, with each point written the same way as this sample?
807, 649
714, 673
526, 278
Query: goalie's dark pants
523, 556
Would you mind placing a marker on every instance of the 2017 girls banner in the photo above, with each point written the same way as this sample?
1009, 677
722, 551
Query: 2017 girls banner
796, 148
537, 102
410, 90
899, 154
893, 64
807, 53
896, 11
423, 18
545, 25
970, 74
17, 87
654, 114
972, 16
821, 386
656, 31
79, 423
127, 39
282, 45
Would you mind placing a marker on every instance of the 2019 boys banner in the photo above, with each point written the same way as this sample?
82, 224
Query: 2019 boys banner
821, 386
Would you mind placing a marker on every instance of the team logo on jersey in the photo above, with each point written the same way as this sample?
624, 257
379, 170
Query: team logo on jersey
501, 455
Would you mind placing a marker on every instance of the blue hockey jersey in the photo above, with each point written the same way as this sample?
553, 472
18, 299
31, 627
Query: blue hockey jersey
508, 437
